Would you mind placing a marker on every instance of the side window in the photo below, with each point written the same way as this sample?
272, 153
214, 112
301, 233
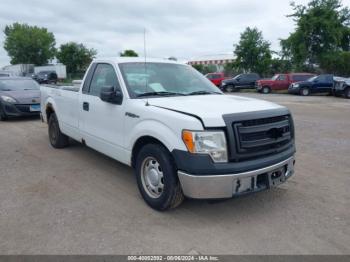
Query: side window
252, 77
282, 77
104, 76
322, 78
329, 79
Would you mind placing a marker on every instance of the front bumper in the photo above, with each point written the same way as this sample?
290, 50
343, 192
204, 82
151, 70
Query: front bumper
294, 90
16, 110
229, 185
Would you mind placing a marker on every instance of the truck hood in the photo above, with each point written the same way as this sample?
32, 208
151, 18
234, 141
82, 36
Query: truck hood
24, 96
211, 108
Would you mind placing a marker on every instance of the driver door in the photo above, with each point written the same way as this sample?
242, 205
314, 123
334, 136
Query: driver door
102, 123
282, 82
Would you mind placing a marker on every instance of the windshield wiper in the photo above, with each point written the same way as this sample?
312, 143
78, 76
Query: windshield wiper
203, 93
161, 93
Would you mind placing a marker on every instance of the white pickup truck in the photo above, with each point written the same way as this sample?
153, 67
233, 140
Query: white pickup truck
180, 133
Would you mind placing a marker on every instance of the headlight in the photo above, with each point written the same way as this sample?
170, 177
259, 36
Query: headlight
296, 85
212, 143
8, 99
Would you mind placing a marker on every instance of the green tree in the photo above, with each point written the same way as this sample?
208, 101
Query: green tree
280, 65
337, 63
322, 27
75, 56
129, 52
253, 53
29, 44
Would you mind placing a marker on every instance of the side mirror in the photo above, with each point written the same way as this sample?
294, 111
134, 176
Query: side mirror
109, 95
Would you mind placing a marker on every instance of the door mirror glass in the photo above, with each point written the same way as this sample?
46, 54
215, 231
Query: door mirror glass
109, 95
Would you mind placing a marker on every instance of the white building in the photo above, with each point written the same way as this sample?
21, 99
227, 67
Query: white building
217, 60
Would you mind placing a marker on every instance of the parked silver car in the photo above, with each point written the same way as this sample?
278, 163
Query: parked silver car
19, 96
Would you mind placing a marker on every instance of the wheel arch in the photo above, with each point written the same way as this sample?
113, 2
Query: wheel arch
49, 109
141, 142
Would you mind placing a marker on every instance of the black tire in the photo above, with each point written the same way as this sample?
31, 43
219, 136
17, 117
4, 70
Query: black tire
347, 93
171, 194
56, 137
266, 90
230, 88
304, 91
336, 94
3, 116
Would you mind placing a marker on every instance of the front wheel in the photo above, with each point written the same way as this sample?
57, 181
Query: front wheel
266, 90
230, 88
57, 138
157, 179
305, 92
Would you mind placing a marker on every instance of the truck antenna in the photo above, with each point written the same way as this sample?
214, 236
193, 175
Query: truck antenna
145, 64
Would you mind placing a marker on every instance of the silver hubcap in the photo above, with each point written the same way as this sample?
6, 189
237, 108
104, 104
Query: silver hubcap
305, 92
152, 177
229, 89
265, 90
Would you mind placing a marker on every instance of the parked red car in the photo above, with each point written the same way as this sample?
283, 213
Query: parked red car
216, 78
280, 82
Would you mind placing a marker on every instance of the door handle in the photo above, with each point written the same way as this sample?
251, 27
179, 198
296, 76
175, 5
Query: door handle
86, 106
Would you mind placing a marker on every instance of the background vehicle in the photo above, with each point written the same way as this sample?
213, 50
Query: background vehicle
341, 87
239, 82
46, 77
182, 136
216, 78
280, 82
19, 96
5, 73
59, 69
20, 69
316, 84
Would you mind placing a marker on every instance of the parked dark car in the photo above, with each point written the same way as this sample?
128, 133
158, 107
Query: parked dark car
239, 82
341, 87
19, 96
316, 84
46, 77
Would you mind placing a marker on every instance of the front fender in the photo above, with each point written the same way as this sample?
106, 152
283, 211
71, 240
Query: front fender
49, 102
169, 137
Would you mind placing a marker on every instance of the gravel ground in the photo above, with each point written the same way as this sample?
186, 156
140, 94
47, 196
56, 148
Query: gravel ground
77, 201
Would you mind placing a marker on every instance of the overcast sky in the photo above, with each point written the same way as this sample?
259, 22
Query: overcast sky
184, 29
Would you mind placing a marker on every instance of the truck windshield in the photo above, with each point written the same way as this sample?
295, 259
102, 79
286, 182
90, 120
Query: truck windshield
18, 85
164, 79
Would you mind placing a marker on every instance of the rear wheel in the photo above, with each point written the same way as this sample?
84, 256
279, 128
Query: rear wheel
347, 93
304, 92
266, 90
57, 138
157, 179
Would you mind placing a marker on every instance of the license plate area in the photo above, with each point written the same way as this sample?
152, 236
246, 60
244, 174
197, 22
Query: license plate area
34, 108
263, 181
277, 176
